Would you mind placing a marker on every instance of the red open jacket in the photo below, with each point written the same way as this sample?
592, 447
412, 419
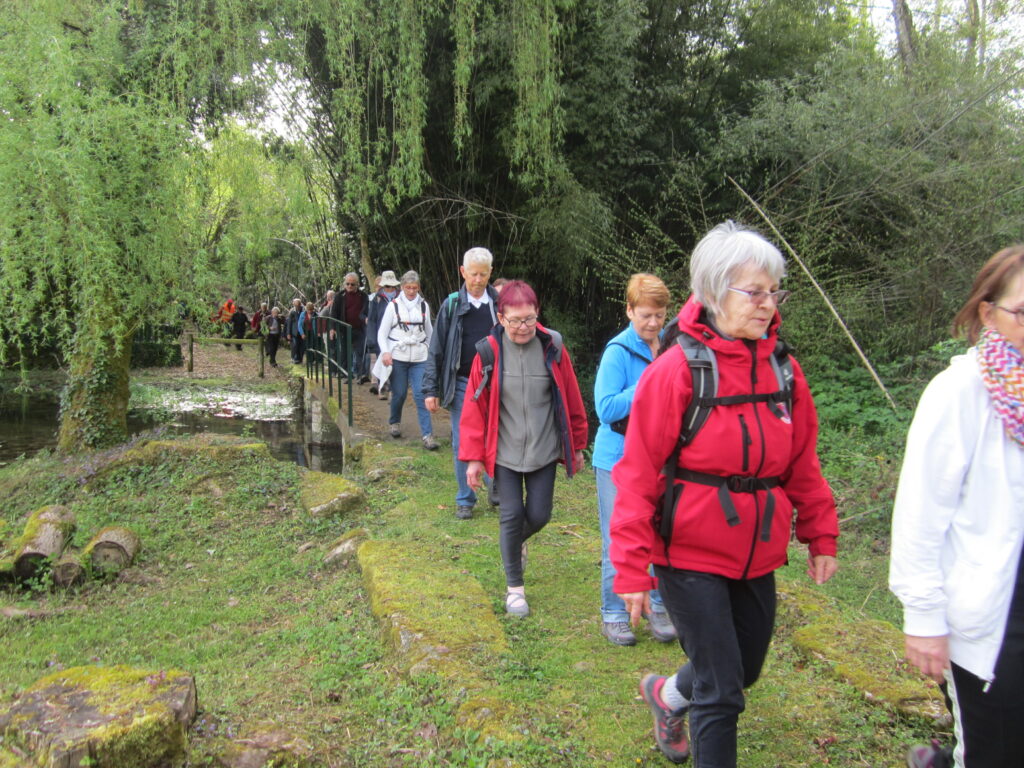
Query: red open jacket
744, 439
478, 429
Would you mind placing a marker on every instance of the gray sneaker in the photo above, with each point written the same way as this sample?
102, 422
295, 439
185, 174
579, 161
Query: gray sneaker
661, 626
396, 430
430, 443
516, 605
618, 632
463, 512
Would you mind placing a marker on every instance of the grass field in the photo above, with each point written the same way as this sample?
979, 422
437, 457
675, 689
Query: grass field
280, 643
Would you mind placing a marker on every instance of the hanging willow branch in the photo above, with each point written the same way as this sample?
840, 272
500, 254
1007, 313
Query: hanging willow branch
824, 296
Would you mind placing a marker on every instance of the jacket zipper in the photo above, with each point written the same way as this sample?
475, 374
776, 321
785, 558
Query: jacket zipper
752, 346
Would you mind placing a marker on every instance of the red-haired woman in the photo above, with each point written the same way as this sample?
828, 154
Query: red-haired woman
958, 526
519, 421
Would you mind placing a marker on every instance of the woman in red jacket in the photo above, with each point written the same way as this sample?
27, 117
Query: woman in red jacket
735, 489
522, 416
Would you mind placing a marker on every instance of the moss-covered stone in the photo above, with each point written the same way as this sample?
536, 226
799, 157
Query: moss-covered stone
263, 747
345, 546
218, 448
326, 495
115, 716
437, 618
865, 653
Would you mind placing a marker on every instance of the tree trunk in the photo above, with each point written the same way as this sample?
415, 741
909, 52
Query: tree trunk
68, 571
46, 533
94, 411
112, 549
364, 255
906, 41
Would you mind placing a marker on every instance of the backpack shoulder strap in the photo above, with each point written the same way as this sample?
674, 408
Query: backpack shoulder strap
704, 371
486, 353
782, 367
451, 301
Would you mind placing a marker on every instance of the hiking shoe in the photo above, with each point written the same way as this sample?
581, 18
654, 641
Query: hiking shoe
382, 395
661, 626
492, 493
430, 443
462, 512
929, 756
618, 632
373, 389
515, 604
396, 430
363, 379
669, 726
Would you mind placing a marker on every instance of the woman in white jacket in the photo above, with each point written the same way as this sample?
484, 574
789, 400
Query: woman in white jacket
403, 338
958, 525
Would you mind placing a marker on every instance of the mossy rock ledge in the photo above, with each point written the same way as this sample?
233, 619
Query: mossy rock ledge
867, 654
438, 620
111, 717
325, 495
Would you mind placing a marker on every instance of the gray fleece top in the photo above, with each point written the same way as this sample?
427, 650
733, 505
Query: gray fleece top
527, 431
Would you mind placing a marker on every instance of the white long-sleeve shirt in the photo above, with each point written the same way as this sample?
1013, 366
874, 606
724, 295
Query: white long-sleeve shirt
958, 521
405, 335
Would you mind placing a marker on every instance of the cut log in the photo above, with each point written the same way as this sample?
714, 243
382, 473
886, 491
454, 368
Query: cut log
68, 571
112, 549
46, 533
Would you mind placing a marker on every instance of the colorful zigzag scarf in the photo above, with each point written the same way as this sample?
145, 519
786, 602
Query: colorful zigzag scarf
1002, 370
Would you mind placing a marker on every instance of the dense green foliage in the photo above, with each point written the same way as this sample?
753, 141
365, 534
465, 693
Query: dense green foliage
580, 140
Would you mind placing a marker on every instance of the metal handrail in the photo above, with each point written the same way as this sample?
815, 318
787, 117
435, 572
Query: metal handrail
326, 360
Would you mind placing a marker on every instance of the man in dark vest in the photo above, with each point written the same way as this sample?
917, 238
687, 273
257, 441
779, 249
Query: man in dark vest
462, 320
350, 306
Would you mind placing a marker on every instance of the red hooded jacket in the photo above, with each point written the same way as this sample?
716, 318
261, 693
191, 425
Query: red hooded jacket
478, 428
744, 439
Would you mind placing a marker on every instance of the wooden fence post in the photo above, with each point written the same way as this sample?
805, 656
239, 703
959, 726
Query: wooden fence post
261, 357
190, 340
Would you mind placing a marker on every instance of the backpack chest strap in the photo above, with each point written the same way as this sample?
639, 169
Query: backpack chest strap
730, 484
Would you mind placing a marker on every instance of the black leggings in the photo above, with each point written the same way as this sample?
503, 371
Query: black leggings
519, 520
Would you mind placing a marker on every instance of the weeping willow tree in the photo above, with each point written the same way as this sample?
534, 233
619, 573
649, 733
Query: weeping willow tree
94, 159
381, 73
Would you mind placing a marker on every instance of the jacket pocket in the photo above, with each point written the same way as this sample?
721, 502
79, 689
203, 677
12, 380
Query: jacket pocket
973, 595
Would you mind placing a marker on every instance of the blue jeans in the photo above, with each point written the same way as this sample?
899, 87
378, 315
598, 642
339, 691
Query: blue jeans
402, 374
466, 497
612, 607
354, 361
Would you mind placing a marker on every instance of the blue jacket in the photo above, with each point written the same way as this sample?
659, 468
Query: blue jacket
625, 358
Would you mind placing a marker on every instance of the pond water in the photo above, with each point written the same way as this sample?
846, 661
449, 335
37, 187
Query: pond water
28, 424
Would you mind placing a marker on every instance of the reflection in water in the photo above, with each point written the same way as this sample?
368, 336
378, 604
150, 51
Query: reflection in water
28, 424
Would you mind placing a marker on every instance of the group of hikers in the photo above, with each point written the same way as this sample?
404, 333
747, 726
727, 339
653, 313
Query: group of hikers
706, 465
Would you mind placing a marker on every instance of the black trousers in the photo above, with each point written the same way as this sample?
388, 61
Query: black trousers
521, 519
273, 339
989, 724
725, 627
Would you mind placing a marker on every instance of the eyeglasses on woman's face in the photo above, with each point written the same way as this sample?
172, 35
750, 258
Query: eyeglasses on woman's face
1019, 313
520, 322
758, 297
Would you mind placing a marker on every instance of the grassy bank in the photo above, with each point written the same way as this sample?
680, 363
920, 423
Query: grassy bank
231, 586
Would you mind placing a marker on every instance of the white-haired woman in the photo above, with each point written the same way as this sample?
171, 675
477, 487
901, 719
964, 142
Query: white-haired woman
404, 338
735, 484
